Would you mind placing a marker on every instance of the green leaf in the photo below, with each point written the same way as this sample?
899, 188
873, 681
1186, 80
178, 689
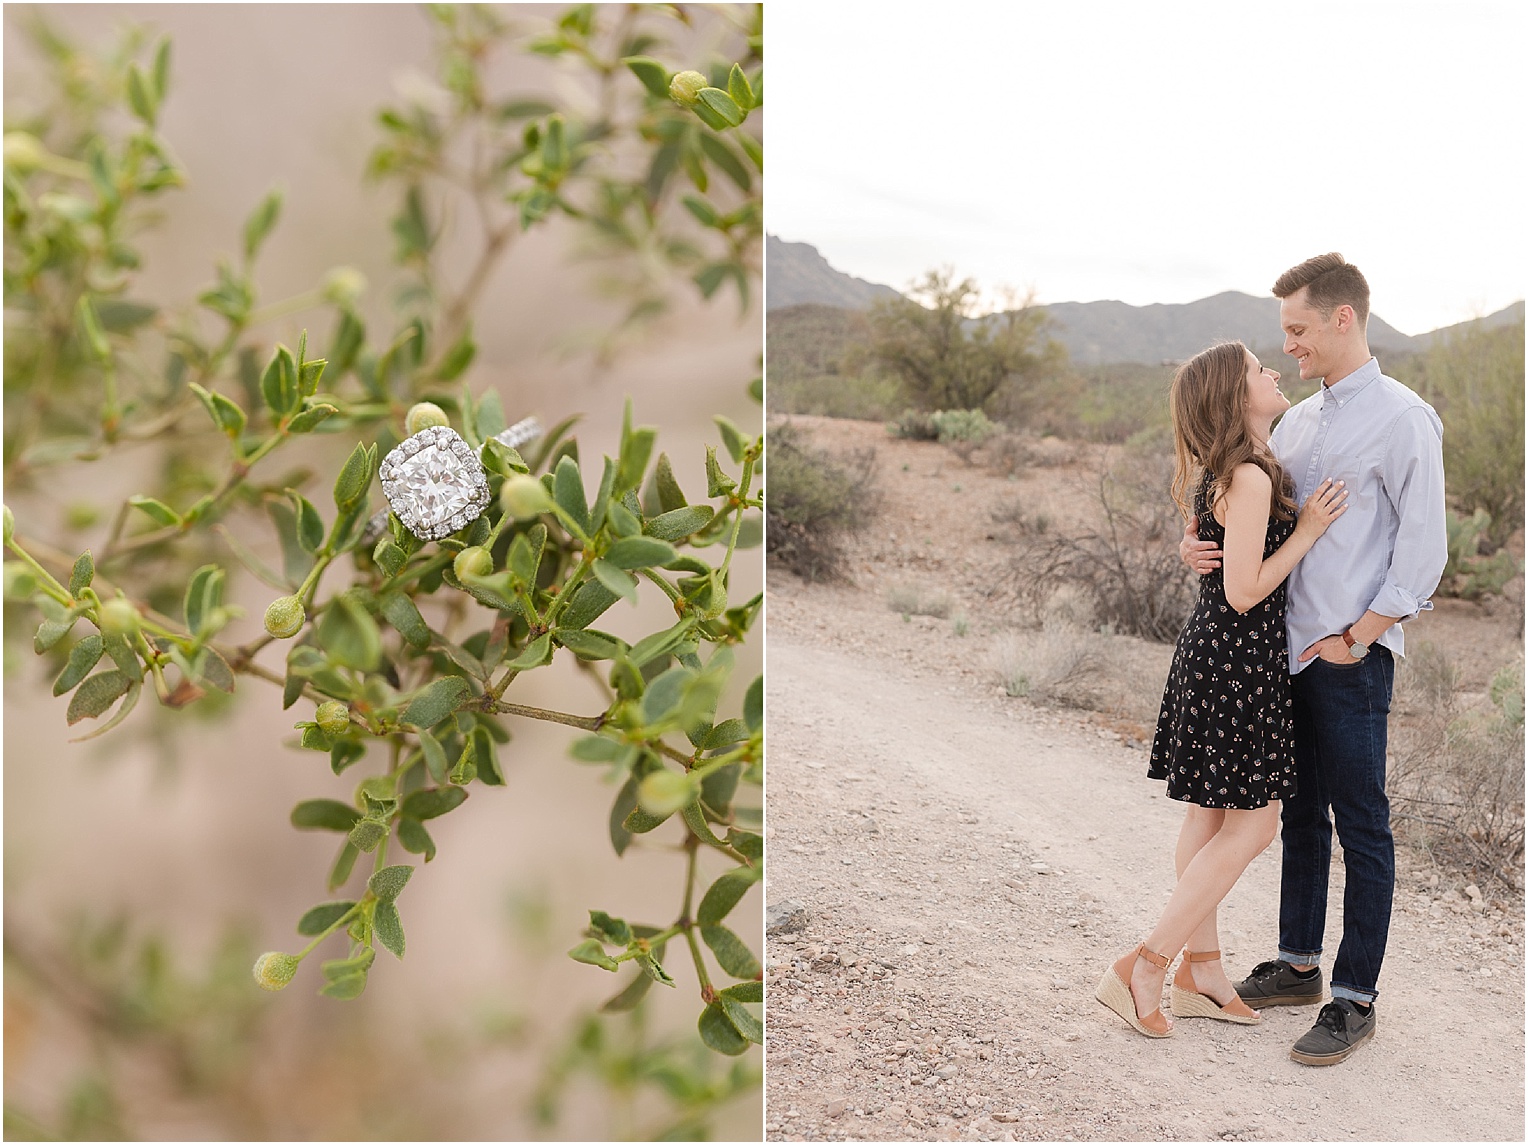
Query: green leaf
568, 492
664, 693
587, 644
665, 487
732, 954
739, 89
210, 668
204, 594
640, 822
718, 484
732, 437
411, 227
534, 655
83, 574
628, 998
718, 1031
719, 153
324, 815
388, 883
97, 694
614, 931
677, 524
310, 418
82, 658
226, 413
725, 733
345, 754
157, 511
657, 644
744, 992
654, 76
460, 356
590, 952
349, 635
345, 988
625, 803
367, 834
743, 1019
434, 756
355, 478
322, 917
278, 384
432, 802
618, 581
753, 705
349, 337
344, 862
721, 105
590, 600
598, 749
724, 894
310, 526
703, 211
260, 223
389, 927
123, 656
636, 448
487, 756
654, 969
401, 612
639, 553
412, 837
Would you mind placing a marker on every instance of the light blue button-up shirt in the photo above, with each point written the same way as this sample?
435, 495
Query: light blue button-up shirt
1387, 551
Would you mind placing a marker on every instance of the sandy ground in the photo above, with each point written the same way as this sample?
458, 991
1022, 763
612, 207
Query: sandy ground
966, 864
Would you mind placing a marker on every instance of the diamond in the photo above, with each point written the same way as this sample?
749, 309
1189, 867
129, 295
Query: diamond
434, 483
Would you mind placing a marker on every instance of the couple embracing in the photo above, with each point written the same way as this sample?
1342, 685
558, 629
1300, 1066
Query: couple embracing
1277, 699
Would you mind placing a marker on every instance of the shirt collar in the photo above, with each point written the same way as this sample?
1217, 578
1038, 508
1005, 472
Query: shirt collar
1349, 388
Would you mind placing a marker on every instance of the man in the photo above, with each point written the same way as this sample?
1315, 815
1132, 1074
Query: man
1375, 567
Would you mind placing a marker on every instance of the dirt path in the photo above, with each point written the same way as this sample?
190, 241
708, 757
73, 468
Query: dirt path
966, 864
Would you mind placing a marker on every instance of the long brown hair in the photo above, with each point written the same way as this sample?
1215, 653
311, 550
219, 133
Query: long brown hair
1209, 407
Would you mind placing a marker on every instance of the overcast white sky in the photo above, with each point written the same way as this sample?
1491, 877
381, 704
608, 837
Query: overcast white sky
1157, 151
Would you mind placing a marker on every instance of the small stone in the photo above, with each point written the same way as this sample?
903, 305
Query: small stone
784, 916
973, 1101
946, 1072
837, 1106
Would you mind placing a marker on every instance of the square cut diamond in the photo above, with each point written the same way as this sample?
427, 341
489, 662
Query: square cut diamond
434, 483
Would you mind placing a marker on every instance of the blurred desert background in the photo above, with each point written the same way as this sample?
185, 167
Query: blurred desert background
144, 871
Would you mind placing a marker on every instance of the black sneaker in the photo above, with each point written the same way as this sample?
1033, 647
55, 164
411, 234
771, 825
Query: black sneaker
1277, 984
1340, 1030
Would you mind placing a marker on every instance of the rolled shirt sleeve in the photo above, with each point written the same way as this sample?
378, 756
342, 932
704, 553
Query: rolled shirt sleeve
1412, 478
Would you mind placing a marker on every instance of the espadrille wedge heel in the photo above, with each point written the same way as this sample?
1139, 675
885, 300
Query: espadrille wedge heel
1114, 991
1188, 1002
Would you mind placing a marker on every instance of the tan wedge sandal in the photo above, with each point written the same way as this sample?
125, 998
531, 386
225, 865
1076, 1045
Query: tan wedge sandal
1188, 1002
1114, 992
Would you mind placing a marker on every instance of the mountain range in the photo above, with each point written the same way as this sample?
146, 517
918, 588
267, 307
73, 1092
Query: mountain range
1094, 332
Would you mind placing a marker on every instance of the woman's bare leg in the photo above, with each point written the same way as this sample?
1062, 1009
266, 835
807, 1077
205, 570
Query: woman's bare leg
1199, 827
1204, 880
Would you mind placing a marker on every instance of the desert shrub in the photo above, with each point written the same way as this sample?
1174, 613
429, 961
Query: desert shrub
862, 397
963, 430
815, 502
914, 425
1456, 776
1128, 562
1475, 380
1468, 574
1009, 453
920, 600
1059, 663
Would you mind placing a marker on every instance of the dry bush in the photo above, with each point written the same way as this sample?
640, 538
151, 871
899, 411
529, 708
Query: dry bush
1059, 663
1456, 776
918, 600
1009, 454
814, 502
1128, 563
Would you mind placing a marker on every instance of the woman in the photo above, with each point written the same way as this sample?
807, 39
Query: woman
1223, 740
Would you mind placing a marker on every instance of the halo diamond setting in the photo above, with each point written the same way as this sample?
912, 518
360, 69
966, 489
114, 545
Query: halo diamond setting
434, 483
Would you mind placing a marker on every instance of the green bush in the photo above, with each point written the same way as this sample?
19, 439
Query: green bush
1468, 575
914, 425
1475, 380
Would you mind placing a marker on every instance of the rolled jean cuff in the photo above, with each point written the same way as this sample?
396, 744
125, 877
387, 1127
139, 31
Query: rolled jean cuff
1295, 959
1362, 997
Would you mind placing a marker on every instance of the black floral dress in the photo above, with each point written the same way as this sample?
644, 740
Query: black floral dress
1225, 737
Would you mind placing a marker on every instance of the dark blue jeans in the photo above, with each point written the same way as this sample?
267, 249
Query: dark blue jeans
1340, 724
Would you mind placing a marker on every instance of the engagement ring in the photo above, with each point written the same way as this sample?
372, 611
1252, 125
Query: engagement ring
435, 484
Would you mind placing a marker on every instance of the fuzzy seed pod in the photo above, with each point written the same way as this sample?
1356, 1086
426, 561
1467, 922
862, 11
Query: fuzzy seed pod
285, 617
476, 561
119, 617
343, 285
422, 416
332, 717
685, 87
524, 497
273, 970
